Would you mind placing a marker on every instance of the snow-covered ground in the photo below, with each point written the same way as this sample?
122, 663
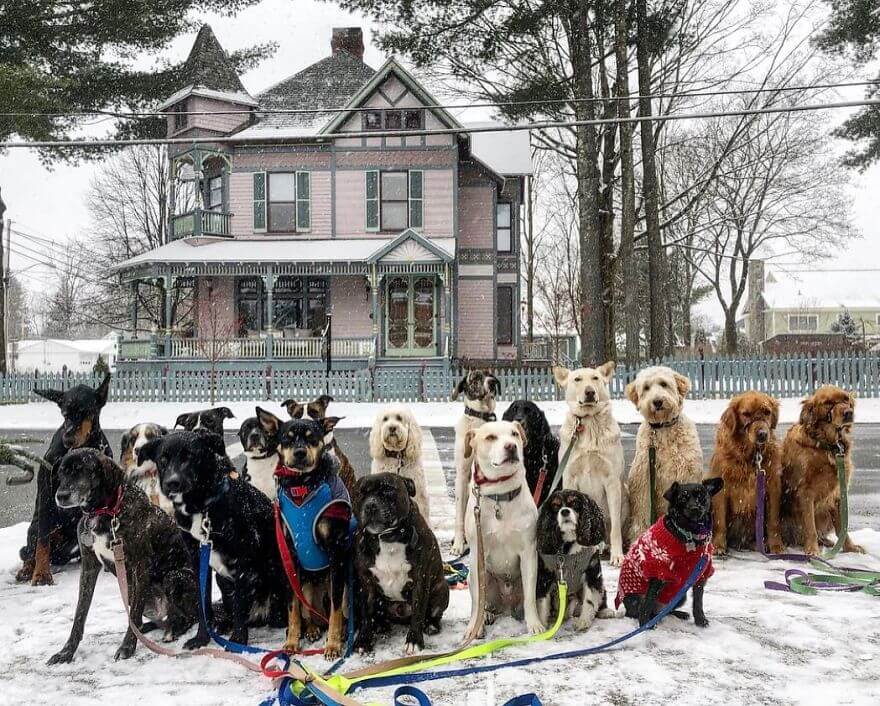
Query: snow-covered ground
761, 647
123, 415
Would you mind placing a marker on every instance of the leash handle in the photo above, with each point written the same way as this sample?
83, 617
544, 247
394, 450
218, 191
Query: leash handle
652, 480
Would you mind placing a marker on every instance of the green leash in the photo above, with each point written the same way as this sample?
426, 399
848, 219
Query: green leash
839, 458
652, 480
557, 479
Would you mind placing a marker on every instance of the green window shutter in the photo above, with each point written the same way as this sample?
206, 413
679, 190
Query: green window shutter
303, 201
372, 200
416, 200
259, 202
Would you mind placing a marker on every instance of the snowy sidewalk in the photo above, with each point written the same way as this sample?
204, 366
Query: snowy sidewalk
761, 647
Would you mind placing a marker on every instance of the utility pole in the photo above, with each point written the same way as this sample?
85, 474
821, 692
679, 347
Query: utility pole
4, 284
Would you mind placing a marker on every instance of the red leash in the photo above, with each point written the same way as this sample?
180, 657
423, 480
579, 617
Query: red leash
287, 561
539, 486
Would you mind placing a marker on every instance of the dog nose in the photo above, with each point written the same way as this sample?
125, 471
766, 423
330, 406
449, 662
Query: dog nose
848, 415
590, 395
300, 454
565, 512
510, 448
762, 435
658, 404
171, 484
62, 497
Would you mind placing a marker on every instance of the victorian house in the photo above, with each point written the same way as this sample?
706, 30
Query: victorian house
406, 246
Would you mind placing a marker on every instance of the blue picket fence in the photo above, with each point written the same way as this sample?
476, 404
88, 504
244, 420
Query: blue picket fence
716, 376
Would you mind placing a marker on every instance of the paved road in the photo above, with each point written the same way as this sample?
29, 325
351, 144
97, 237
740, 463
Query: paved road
16, 502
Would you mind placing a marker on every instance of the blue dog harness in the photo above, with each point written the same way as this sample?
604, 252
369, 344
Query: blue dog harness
302, 507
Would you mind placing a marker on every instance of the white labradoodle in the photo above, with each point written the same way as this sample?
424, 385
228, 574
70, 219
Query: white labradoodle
396, 447
658, 392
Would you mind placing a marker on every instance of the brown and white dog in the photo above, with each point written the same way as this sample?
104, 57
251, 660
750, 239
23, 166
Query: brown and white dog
146, 475
811, 494
480, 388
396, 447
595, 464
747, 428
509, 522
659, 393
317, 409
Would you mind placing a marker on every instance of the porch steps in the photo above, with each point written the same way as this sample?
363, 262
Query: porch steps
442, 507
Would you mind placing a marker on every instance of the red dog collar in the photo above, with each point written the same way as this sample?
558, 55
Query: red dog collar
480, 479
283, 471
108, 509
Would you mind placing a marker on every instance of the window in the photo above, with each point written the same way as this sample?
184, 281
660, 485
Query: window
503, 226
214, 200
803, 323
504, 334
298, 303
394, 200
249, 316
181, 119
411, 119
289, 202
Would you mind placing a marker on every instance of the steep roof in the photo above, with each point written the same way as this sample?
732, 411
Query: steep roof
328, 83
811, 290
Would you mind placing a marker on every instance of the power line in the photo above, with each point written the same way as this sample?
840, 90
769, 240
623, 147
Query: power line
542, 125
460, 106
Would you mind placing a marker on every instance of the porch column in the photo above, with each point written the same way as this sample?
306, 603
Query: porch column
134, 308
169, 312
374, 306
269, 284
449, 314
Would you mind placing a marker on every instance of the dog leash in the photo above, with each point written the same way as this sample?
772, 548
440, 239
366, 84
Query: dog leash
563, 462
290, 567
652, 466
411, 693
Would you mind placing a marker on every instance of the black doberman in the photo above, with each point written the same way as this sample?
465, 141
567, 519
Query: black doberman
52, 536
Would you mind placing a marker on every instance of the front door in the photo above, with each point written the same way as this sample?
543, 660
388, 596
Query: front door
411, 315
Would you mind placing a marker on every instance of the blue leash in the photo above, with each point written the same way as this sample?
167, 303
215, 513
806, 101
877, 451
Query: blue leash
422, 699
417, 677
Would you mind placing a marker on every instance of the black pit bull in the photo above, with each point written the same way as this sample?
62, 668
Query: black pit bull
208, 419
161, 582
52, 534
398, 562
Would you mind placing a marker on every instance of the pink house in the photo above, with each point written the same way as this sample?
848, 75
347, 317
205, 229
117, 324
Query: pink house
407, 244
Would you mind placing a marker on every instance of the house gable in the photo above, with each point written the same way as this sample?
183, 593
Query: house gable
410, 246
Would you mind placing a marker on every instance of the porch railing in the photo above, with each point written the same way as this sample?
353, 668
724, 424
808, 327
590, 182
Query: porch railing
134, 349
311, 347
535, 350
200, 222
247, 348
204, 348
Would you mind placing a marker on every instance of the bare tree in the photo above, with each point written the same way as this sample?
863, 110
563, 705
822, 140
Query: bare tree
216, 337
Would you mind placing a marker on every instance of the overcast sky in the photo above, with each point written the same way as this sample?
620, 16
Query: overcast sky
51, 203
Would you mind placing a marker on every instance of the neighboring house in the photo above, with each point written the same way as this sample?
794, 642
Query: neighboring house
55, 355
790, 311
411, 242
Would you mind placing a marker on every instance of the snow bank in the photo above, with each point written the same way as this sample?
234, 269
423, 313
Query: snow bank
761, 647
123, 415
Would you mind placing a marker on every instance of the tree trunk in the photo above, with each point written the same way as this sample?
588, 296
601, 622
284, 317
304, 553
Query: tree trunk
530, 266
656, 279
626, 255
592, 328
730, 332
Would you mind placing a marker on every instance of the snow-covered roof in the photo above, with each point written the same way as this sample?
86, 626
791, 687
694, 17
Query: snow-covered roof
228, 96
83, 345
821, 290
273, 249
505, 152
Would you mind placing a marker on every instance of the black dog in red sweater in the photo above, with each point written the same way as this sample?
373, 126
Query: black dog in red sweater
660, 562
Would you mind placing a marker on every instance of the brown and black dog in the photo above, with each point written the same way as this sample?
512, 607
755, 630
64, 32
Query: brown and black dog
748, 427
52, 537
317, 409
811, 495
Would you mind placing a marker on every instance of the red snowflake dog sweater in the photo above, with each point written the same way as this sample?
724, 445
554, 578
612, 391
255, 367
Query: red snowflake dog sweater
658, 554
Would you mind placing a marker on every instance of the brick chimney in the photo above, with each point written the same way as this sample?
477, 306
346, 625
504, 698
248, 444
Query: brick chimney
350, 39
757, 313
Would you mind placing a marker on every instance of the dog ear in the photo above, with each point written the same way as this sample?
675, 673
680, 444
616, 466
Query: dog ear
469, 437
325, 400
124, 444
103, 390
713, 485
494, 385
163, 431
774, 412
671, 492
683, 384
410, 486
729, 420
49, 394
214, 441
149, 451
590, 527
459, 388
607, 370
268, 421
329, 423
225, 413
561, 375
808, 413
548, 534
521, 431
852, 399
632, 393
182, 420
292, 406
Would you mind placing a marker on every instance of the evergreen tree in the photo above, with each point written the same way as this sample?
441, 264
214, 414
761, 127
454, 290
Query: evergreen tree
847, 326
100, 367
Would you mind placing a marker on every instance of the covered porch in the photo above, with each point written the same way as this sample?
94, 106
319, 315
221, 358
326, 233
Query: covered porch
354, 301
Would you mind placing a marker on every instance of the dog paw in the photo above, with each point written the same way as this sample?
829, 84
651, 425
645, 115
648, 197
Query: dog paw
196, 642
812, 549
489, 617
291, 647
854, 548
583, 622
63, 657
333, 650
458, 546
776, 547
363, 645
411, 649
720, 549
25, 572
431, 629
239, 635
616, 559
700, 621
414, 642
313, 632
42, 578
124, 652
610, 613
536, 627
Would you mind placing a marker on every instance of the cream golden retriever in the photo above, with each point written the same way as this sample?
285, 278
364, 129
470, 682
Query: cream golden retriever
396, 447
658, 393
595, 465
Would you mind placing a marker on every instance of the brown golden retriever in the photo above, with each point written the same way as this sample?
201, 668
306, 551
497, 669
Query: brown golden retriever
811, 496
748, 426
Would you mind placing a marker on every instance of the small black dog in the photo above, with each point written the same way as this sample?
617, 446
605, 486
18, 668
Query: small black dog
209, 419
541, 449
194, 475
261, 456
316, 508
161, 583
398, 562
660, 562
52, 534
570, 528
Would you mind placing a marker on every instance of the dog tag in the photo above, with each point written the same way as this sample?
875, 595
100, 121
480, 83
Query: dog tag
690, 546
579, 428
498, 514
